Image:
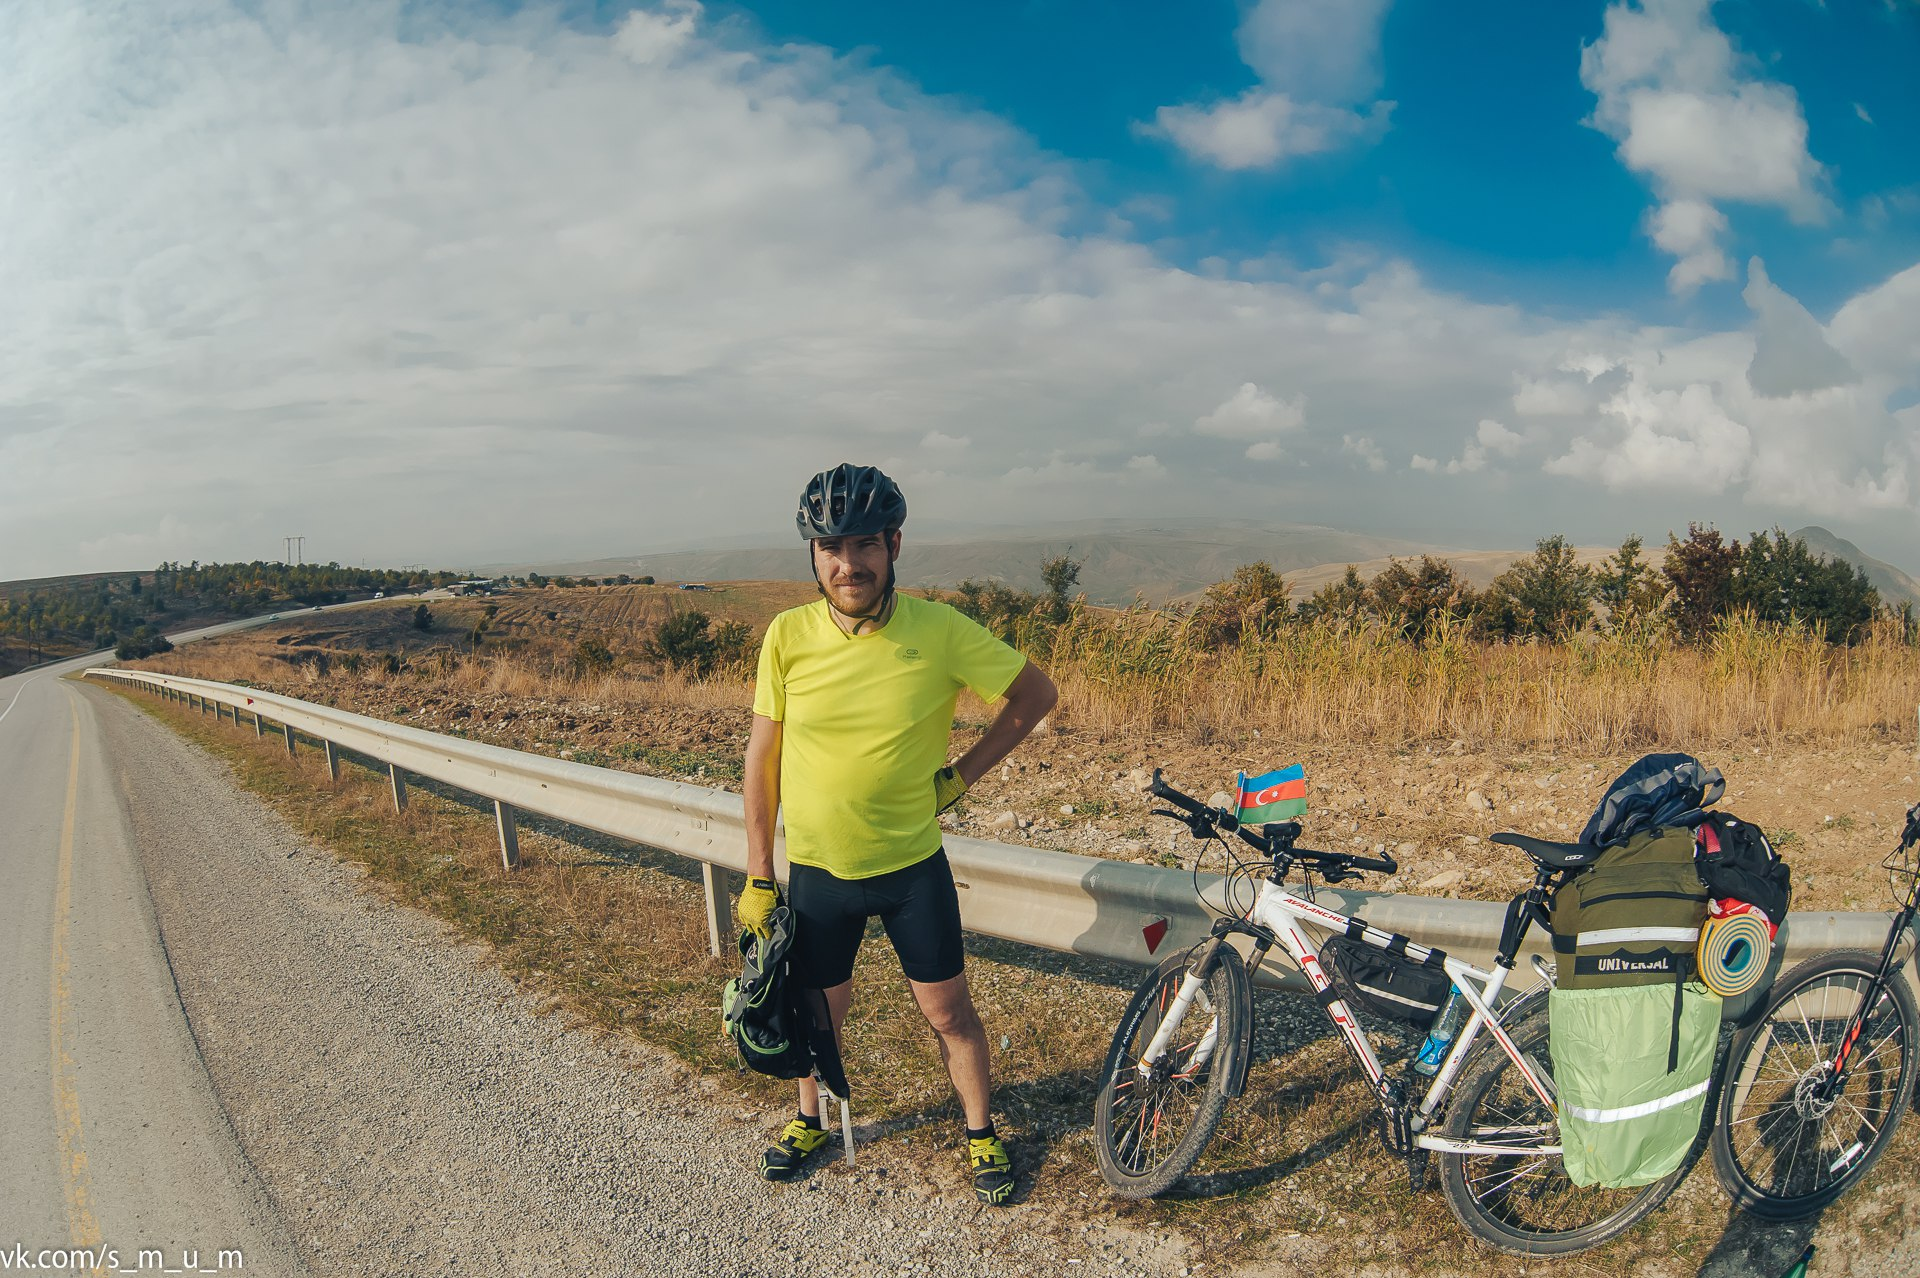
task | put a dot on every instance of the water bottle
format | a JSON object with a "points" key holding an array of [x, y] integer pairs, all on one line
{"points": [[1453, 1013]]}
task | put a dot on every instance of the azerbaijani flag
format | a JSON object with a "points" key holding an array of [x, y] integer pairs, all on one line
{"points": [[1273, 797]]}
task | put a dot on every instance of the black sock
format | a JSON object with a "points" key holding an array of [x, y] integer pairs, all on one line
{"points": [[980, 1133], [811, 1120]]}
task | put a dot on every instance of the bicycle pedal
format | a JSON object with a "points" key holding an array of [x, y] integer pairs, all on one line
{"points": [[1417, 1160]]}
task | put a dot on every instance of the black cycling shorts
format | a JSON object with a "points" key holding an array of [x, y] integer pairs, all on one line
{"points": [[918, 906]]}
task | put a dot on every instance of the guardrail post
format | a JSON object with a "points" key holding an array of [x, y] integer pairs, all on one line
{"points": [[333, 760], [287, 728], [509, 834], [399, 780], [259, 729], [721, 888]]}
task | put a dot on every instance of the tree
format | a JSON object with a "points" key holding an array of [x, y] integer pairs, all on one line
{"points": [[1784, 582], [422, 617], [1252, 602], [682, 642], [1627, 585], [1700, 571], [1547, 594], [994, 604], [1416, 599], [591, 656], [144, 642], [1060, 575], [1343, 600]]}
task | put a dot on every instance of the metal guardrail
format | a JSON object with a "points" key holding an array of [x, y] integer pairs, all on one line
{"points": [[1054, 900]]}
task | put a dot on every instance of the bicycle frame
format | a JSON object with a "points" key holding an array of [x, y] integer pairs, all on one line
{"points": [[1275, 917]]}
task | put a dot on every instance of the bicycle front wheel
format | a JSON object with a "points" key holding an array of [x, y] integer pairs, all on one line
{"points": [[1790, 1139], [1522, 1201], [1151, 1124]]}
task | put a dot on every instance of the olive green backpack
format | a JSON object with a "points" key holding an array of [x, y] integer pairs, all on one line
{"points": [[1633, 1035]]}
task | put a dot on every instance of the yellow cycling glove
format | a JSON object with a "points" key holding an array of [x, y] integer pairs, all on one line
{"points": [[757, 901], [947, 789]]}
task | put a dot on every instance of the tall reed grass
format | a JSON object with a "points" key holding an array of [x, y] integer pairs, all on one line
{"points": [[1340, 680], [1142, 670]]}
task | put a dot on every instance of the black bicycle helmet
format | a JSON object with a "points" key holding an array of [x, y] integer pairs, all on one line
{"points": [[850, 501]]}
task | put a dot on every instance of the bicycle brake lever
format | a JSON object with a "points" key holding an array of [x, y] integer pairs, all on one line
{"points": [[1199, 827]]}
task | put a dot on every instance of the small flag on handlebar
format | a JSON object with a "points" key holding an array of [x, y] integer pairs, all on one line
{"points": [[1276, 796]]}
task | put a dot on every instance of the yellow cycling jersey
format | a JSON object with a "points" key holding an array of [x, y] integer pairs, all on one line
{"points": [[865, 724]]}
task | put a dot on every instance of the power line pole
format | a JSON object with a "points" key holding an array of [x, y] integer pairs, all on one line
{"points": [[295, 547]]}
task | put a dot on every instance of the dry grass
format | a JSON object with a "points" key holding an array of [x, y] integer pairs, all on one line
{"points": [[1126, 673], [1143, 671]]}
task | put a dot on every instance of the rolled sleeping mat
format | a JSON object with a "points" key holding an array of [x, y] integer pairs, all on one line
{"points": [[1735, 943]]}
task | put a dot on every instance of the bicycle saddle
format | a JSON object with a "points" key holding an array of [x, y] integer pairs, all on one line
{"points": [[1561, 856]]}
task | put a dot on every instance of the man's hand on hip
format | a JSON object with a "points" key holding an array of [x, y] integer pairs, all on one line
{"points": [[756, 905], [948, 787]]}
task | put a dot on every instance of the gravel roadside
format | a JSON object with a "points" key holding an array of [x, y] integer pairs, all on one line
{"points": [[410, 1111]]}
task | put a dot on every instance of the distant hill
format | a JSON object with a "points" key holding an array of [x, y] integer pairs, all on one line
{"points": [[1895, 586], [1161, 562], [1169, 560]]}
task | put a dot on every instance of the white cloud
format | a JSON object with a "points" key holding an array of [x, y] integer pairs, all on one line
{"points": [[1496, 438], [1862, 113], [1879, 331], [1791, 354], [1675, 439], [305, 270], [1251, 412], [652, 36], [1260, 128], [1365, 449], [1561, 393], [1318, 63], [1489, 438], [1692, 117], [1690, 230]]}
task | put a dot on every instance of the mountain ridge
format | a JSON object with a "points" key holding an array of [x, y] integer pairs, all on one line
{"points": [[1159, 561]]}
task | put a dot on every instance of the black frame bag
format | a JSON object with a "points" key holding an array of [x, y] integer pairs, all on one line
{"points": [[1385, 983]]}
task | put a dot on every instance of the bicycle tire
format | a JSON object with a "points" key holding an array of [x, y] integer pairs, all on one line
{"points": [[1524, 1203], [1779, 1150], [1149, 1133]]}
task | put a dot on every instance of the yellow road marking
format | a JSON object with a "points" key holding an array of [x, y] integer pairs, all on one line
{"points": [[75, 1181]]}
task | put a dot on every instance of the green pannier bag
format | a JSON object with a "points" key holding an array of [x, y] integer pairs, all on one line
{"points": [[1633, 1039]]}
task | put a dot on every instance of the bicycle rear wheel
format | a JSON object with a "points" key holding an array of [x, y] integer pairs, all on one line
{"points": [[1786, 1143], [1150, 1126], [1523, 1202]]}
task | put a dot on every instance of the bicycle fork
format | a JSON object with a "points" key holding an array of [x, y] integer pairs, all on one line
{"points": [[1190, 987]]}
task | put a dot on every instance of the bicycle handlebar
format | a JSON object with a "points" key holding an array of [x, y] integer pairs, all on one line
{"points": [[1275, 839]]}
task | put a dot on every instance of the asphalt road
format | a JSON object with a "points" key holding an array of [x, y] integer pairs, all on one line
{"points": [[111, 1137]]}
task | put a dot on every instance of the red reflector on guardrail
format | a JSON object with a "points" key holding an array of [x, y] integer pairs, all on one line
{"points": [[1155, 932]]}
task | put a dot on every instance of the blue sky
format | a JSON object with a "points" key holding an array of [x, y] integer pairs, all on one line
{"points": [[463, 281], [1489, 175]]}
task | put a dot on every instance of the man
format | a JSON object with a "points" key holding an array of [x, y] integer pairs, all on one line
{"points": [[851, 714]]}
